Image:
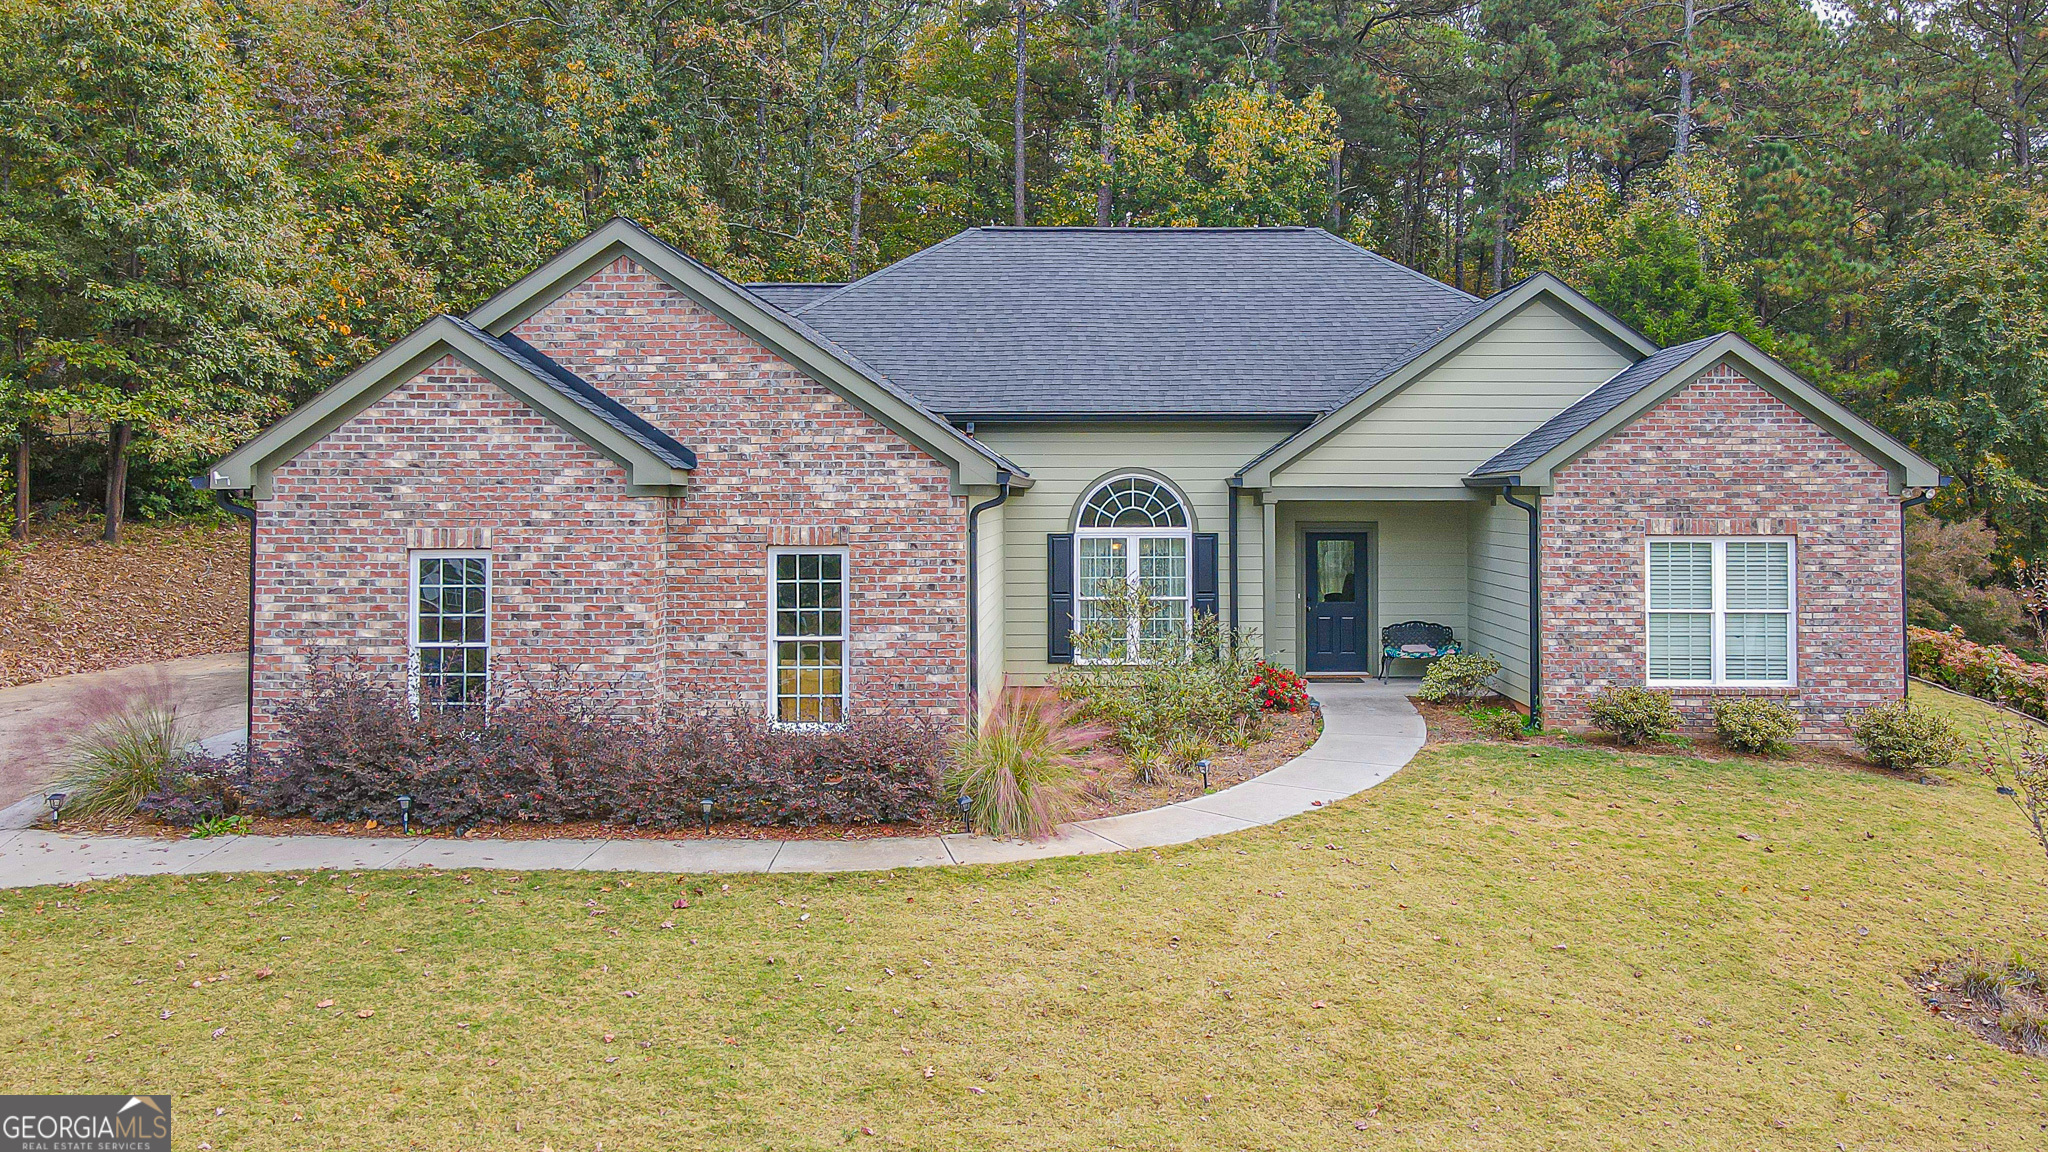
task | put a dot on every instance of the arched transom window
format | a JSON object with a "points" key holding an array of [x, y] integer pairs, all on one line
{"points": [[1131, 549]]}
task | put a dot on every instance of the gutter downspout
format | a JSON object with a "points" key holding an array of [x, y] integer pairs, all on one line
{"points": [[973, 588], [1236, 487], [245, 512], [1905, 626], [1507, 492]]}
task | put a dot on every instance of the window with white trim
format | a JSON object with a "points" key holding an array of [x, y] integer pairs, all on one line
{"points": [[450, 628], [1133, 533], [1722, 611], [809, 637]]}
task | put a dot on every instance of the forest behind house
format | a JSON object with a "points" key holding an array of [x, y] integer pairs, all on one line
{"points": [[211, 210]]}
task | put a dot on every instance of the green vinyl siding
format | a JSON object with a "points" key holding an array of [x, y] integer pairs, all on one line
{"points": [[1417, 557], [1489, 394], [988, 609], [1065, 460], [1498, 581]]}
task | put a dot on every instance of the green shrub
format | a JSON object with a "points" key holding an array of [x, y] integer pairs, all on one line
{"points": [[1017, 771], [1499, 723], [213, 826], [1634, 715], [1755, 725], [1199, 685], [1460, 676], [1896, 734], [121, 758]]}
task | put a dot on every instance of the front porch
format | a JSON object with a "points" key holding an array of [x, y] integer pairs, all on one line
{"points": [[1342, 568]]}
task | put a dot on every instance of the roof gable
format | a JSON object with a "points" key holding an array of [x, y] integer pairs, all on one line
{"points": [[782, 332], [651, 458], [1534, 459], [1454, 335], [1206, 323]]}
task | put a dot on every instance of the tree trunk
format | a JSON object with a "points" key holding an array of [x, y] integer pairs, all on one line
{"points": [[1272, 32], [1017, 118], [21, 498], [1106, 191], [1683, 143], [1506, 224], [118, 435], [860, 111]]}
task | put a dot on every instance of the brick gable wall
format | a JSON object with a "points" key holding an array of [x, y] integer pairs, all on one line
{"points": [[1723, 457], [665, 596], [449, 460], [783, 461]]}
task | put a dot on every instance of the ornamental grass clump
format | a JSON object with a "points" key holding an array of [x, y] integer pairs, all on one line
{"points": [[1634, 715], [1017, 771], [1762, 726], [1897, 734], [1459, 676], [123, 756]]}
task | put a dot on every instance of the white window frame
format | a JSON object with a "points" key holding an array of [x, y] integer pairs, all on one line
{"points": [[845, 640], [1133, 563], [413, 560], [1720, 612]]}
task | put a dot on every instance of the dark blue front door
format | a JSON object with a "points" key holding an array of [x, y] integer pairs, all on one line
{"points": [[1336, 584]]}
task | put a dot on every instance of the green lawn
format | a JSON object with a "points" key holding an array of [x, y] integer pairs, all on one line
{"points": [[1382, 974]]}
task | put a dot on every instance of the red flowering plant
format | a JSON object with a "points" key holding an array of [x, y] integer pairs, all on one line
{"points": [[1278, 689]]}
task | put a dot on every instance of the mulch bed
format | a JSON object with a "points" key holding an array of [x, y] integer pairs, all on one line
{"points": [[72, 603], [1448, 724], [1108, 788]]}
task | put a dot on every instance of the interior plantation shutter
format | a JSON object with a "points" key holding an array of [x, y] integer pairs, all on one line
{"points": [[1758, 630], [1059, 598], [1681, 591], [1207, 597]]}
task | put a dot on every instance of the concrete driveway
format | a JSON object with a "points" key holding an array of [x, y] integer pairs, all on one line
{"points": [[38, 720]]}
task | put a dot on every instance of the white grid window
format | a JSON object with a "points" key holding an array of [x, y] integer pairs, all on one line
{"points": [[1721, 612], [809, 636], [451, 628], [1132, 533]]}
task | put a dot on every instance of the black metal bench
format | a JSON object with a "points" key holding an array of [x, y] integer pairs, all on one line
{"points": [[1415, 640]]}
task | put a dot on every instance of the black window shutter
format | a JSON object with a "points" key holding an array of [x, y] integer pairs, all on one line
{"points": [[1059, 598], [1206, 598]]}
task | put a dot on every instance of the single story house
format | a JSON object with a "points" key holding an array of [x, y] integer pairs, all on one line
{"points": [[907, 490]]}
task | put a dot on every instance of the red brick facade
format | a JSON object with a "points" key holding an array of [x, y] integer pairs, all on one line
{"points": [[1724, 457], [667, 595]]}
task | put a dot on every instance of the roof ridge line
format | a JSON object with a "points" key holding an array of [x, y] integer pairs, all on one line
{"points": [[883, 270], [1393, 263]]}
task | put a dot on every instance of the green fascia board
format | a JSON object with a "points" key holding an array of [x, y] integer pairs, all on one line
{"points": [[1259, 472], [251, 466], [1908, 469], [800, 345]]}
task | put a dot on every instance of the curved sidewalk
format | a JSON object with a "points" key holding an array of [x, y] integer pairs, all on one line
{"points": [[1369, 732]]}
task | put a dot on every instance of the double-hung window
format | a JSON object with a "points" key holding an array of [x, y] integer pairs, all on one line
{"points": [[808, 624], [1722, 612], [450, 628]]}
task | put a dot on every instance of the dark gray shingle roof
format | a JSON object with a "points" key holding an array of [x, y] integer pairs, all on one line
{"points": [[1136, 321], [1589, 408], [586, 396], [790, 297]]}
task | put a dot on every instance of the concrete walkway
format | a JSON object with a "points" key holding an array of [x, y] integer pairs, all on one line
{"points": [[37, 721], [1369, 732]]}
